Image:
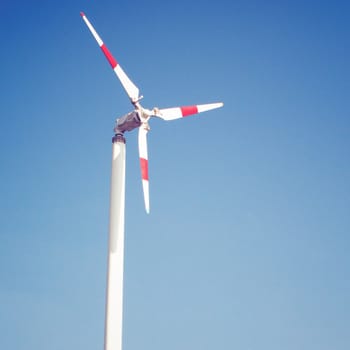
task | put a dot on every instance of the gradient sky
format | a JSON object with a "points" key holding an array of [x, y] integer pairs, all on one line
{"points": [[246, 246]]}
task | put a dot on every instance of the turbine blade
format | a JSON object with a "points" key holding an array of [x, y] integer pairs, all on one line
{"points": [[144, 164], [180, 112], [130, 88]]}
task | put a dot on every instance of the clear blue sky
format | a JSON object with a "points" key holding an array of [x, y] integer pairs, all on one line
{"points": [[246, 246]]}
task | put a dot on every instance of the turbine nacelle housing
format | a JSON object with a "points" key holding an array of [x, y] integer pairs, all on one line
{"points": [[128, 122]]}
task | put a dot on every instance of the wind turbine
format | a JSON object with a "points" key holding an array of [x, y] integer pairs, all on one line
{"points": [[138, 118]]}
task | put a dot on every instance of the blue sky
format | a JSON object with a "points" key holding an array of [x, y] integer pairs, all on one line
{"points": [[246, 246]]}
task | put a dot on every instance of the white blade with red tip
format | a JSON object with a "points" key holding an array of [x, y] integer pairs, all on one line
{"points": [[144, 164], [180, 112], [130, 88]]}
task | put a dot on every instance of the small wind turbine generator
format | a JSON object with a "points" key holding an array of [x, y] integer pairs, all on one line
{"points": [[138, 118]]}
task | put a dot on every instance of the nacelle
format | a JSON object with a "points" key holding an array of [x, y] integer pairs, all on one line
{"points": [[128, 122]]}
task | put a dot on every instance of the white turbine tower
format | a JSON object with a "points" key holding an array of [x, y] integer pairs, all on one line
{"points": [[138, 118]]}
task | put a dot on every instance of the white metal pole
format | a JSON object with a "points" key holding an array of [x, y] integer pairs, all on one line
{"points": [[114, 297]]}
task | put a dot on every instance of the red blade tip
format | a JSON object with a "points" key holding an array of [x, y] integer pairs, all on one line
{"points": [[82, 14]]}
